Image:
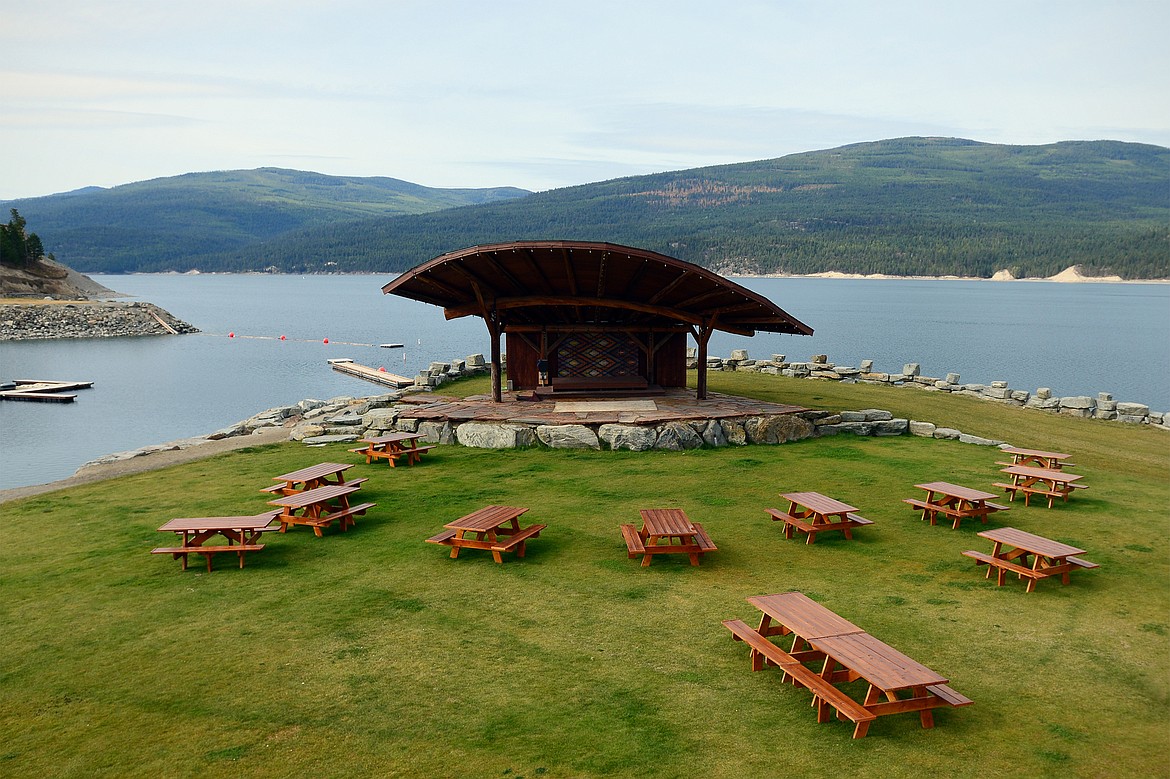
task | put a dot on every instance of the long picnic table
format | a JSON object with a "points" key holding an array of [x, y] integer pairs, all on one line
{"points": [[494, 528], [319, 507], [897, 683], [1036, 458], [812, 513], [1039, 481], [392, 446], [320, 475], [667, 531], [954, 502], [1013, 548], [242, 534]]}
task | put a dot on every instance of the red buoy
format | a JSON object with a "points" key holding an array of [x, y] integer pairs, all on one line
{"points": [[382, 368], [282, 338], [231, 335], [325, 341]]}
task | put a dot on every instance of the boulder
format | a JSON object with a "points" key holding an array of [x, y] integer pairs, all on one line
{"points": [[777, 429], [436, 432], [1133, 410], [482, 435], [891, 427], [974, 439], [712, 433], [330, 439], [567, 437], [911, 369], [1079, 402], [734, 432], [923, 429], [876, 414], [677, 436], [947, 433], [633, 437], [739, 355]]}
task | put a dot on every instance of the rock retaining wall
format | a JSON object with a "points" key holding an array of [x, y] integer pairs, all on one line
{"points": [[34, 321], [1103, 406]]}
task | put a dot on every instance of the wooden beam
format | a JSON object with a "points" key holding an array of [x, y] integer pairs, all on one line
{"points": [[666, 290], [504, 304], [570, 275]]}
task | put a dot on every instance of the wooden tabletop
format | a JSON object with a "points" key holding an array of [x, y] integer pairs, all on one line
{"points": [[486, 518], [1035, 453], [315, 495], [1045, 547], [201, 524], [391, 438], [803, 615], [877, 662], [313, 472], [1041, 473], [818, 503], [666, 522], [956, 491]]}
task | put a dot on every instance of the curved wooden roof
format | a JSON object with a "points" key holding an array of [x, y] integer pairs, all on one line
{"points": [[584, 283]]}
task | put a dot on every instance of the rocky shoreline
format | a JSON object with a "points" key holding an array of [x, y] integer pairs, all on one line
{"points": [[39, 320]]}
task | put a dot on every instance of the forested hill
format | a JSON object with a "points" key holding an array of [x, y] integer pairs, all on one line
{"points": [[175, 222], [910, 206]]}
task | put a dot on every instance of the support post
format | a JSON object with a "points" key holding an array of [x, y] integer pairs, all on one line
{"points": [[704, 335], [494, 332]]}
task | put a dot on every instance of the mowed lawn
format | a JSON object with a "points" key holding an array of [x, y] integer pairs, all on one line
{"points": [[372, 653]]}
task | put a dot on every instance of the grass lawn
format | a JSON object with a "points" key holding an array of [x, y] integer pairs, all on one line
{"points": [[372, 653]]}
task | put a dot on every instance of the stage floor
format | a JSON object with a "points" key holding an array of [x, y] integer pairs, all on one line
{"points": [[525, 408]]}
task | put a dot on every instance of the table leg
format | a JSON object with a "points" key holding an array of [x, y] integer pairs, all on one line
{"points": [[926, 716]]}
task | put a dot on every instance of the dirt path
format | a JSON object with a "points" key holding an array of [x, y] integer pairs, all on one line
{"points": [[149, 462]]}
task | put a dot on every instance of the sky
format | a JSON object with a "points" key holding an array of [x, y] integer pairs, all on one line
{"points": [[544, 94]]}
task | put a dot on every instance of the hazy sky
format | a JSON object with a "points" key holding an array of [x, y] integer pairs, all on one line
{"points": [[546, 94]]}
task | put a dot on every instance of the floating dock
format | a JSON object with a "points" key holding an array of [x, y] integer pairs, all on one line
{"points": [[44, 391], [351, 368]]}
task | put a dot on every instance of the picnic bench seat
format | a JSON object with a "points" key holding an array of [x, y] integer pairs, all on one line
{"points": [[1081, 563], [180, 552], [392, 456], [857, 519], [634, 542], [958, 515], [825, 695], [1035, 490], [703, 540], [442, 538], [949, 695], [510, 542], [326, 520], [1003, 565], [803, 525]]}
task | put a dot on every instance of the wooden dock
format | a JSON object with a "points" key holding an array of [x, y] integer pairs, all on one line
{"points": [[44, 391], [351, 368]]}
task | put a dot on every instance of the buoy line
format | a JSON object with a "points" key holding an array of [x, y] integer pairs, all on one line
{"points": [[286, 338]]}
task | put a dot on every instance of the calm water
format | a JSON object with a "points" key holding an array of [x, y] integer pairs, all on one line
{"points": [[1075, 338]]}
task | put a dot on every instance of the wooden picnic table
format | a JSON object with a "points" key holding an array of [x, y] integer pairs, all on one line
{"points": [[320, 475], [1013, 548], [1039, 481], [812, 513], [667, 531], [1036, 458], [242, 534], [391, 446], [494, 528], [320, 507], [954, 502], [846, 653]]}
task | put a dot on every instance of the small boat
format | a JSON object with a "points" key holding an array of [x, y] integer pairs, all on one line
{"points": [[390, 346]]}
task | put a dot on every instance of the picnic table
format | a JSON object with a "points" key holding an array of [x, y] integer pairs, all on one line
{"points": [[242, 534], [1039, 481], [314, 476], [320, 507], [1036, 458], [1013, 548], [812, 513], [392, 446], [897, 683], [667, 531], [954, 502], [494, 528]]}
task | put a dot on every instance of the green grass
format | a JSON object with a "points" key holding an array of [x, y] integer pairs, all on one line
{"points": [[372, 653]]}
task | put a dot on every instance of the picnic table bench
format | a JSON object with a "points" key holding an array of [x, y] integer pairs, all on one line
{"points": [[954, 502], [1040, 481], [812, 513], [897, 683], [392, 446], [667, 531], [494, 528], [320, 507], [242, 534], [1013, 548], [319, 475]]}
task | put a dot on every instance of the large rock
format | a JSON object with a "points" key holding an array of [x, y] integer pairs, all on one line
{"points": [[482, 435], [712, 433], [891, 427], [1132, 409], [733, 431], [434, 432], [777, 429], [567, 437], [1079, 402], [632, 437], [677, 436], [923, 429]]}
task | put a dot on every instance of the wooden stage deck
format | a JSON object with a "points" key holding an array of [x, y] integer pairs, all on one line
{"points": [[526, 408]]}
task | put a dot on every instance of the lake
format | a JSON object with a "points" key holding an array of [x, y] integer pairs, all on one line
{"points": [[1078, 339]]}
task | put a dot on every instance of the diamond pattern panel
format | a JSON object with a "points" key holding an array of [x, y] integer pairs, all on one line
{"points": [[597, 354]]}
